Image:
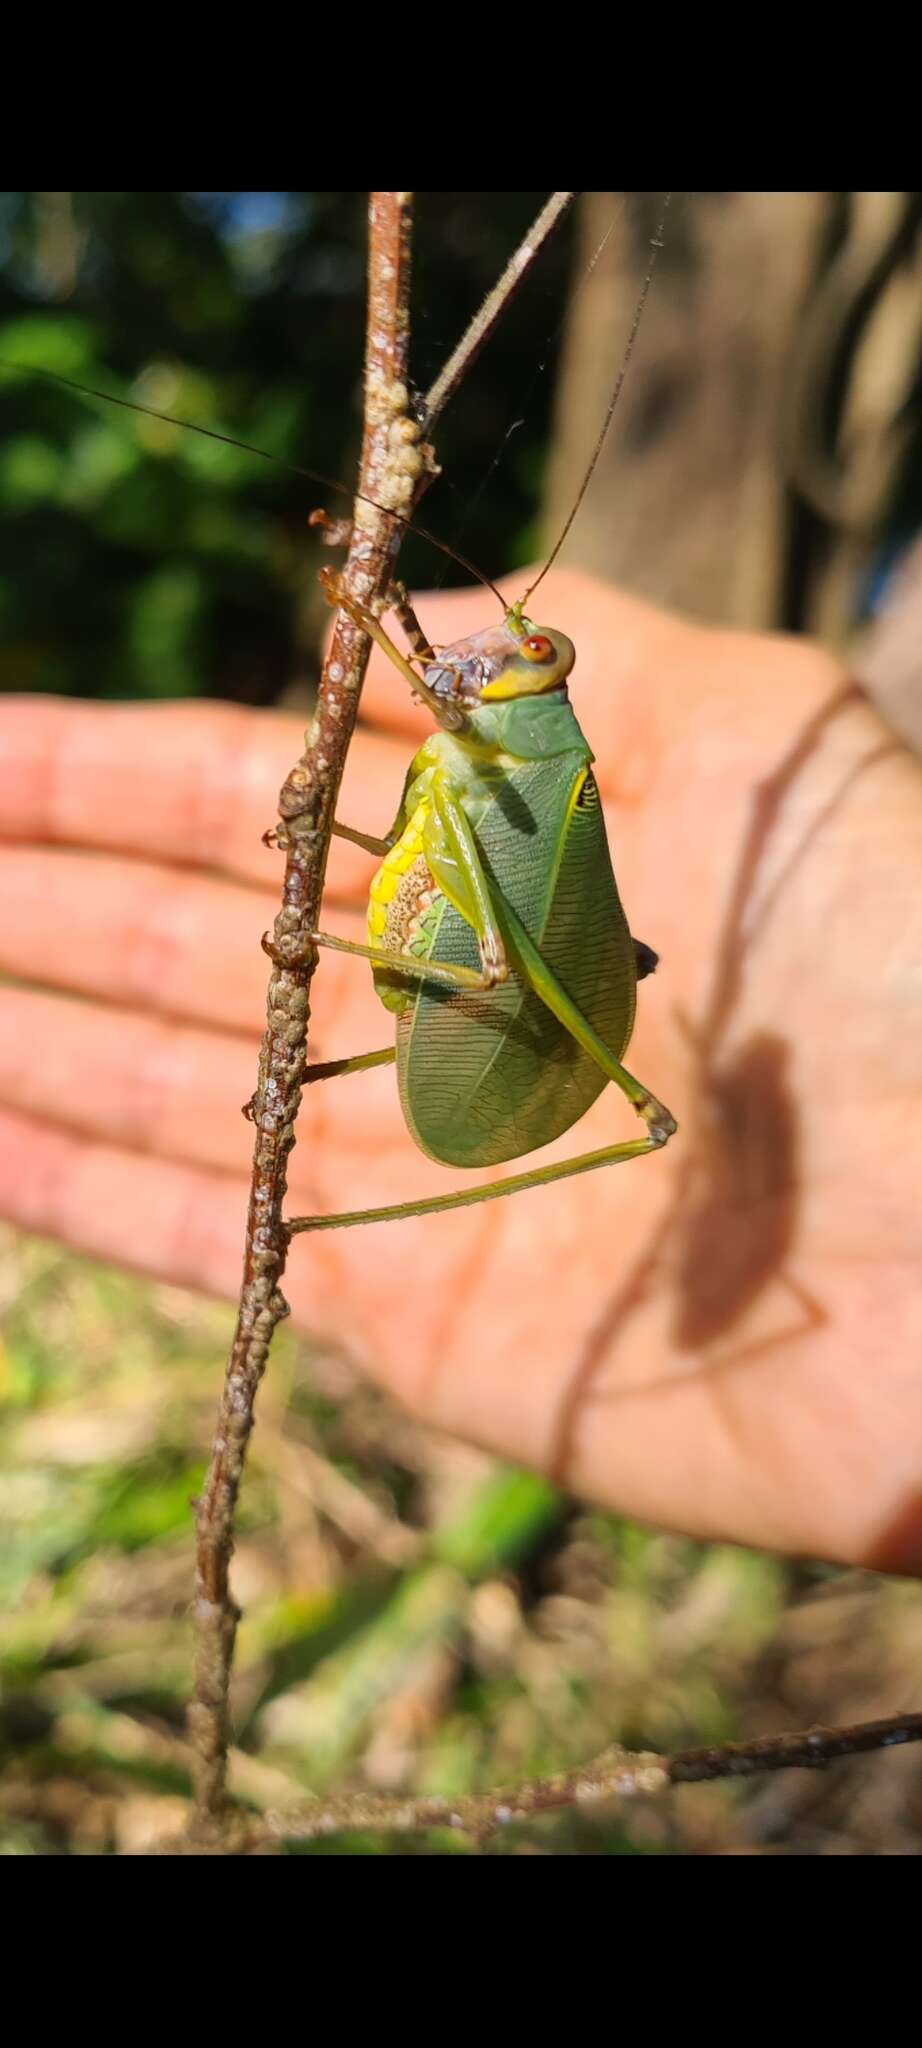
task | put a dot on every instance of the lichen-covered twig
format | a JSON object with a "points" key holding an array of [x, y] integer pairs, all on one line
{"points": [[615, 1775], [392, 463], [395, 466], [811, 1749]]}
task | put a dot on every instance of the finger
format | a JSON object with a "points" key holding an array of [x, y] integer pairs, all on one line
{"points": [[174, 1222], [194, 784], [182, 1223], [139, 1083], [184, 782], [156, 938]]}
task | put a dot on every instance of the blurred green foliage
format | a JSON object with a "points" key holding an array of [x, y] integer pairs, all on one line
{"points": [[142, 560]]}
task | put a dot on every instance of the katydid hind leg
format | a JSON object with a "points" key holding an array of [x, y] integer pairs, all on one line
{"points": [[528, 962], [491, 1191]]}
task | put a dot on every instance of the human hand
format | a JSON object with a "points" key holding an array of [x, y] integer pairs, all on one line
{"points": [[723, 1338]]}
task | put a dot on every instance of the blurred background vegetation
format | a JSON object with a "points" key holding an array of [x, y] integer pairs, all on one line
{"points": [[765, 465], [140, 560], [415, 1616]]}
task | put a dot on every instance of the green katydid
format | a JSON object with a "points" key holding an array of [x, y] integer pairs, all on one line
{"points": [[496, 932]]}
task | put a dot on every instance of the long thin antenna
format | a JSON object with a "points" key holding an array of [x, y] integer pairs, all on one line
{"points": [[313, 476], [655, 246]]}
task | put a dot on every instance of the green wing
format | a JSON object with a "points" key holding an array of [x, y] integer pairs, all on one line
{"points": [[490, 1077]]}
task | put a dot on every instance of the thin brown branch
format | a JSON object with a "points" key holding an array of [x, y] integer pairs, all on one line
{"points": [[495, 304], [391, 466], [616, 1774], [810, 1750], [394, 471]]}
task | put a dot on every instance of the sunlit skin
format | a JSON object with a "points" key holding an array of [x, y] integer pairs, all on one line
{"points": [[724, 1338]]}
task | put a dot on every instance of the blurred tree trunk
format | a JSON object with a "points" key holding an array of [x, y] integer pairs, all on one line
{"points": [[687, 504], [754, 455]]}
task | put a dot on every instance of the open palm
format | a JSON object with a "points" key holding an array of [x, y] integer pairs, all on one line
{"points": [[723, 1338]]}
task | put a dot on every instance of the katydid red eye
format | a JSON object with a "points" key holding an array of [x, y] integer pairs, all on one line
{"points": [[538, 647]]}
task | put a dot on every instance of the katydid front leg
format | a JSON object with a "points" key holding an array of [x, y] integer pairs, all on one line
{"points": [[398, 601], [337, 533], [449, 716]]}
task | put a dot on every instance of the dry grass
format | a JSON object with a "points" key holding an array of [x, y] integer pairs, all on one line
{"points": [[417, 1617]]}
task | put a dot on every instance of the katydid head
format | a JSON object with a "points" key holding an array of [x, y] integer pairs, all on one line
{"points": [[514, 659]]}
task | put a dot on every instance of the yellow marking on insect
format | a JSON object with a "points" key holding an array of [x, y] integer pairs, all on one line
{"points": [[384, 886], [584, 788], [389, 876], [377, 922]]}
